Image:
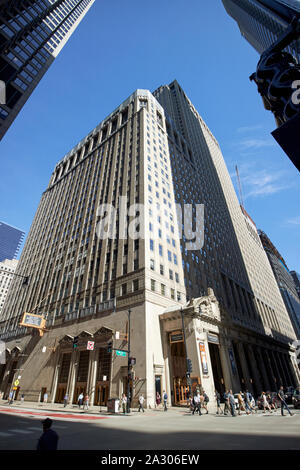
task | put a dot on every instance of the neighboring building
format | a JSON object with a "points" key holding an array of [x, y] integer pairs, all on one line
{"points": [[31, 36], [262, 22], [296, 277], [284, 280], [7, 269], [154, 150], [11, 239]]}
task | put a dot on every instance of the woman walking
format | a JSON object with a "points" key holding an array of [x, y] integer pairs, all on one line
{"points": [[265, 402]]}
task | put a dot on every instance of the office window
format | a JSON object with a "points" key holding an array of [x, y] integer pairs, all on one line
{"points": [[152, 284]]}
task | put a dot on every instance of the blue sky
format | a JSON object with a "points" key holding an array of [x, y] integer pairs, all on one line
{"points": [[121, 46]]}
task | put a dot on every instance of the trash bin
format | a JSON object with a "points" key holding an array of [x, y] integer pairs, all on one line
{"points": [[113, 405]]}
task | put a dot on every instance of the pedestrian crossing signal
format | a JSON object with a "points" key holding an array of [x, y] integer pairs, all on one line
{"points": [[189, 366]]}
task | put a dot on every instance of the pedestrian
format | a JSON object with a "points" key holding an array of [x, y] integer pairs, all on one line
{"points": [[281, 397], [80, 400], [22, 398], [141, 403], [218, 399], [197, 404], [11, 397], [248, 402], [226, 402], [66, 399], [124, 402], [49, 438], [265, 402], [158, 399], [205, 401], [165, 398], [241, 403], [86, 402], [45, 397], [231, 401]]}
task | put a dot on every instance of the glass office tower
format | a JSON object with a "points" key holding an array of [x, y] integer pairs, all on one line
{"points": [[32, 33]]}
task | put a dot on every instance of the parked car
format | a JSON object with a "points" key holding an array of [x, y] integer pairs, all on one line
{"points": [[289, 393], [296, 398]]}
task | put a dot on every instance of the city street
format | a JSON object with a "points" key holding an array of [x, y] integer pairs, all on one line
{"points": [[176, 429]]}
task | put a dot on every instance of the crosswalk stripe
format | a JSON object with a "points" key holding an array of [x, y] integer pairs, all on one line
{"points": [[5, 434]]}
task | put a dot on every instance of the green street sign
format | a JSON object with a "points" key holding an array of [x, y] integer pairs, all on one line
{"points": [[121, 353]]}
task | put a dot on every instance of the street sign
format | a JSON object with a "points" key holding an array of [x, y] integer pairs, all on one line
{"points": [[16, 383], [121, 353], [90, 345]]}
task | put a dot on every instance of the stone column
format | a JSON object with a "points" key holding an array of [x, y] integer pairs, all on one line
{"points": [[246, 372], [269, 365], [55, 377], [277, 371], [282, 369], [231, 380], [261, 366], [255, 369], [72, 375], [91, 385]]}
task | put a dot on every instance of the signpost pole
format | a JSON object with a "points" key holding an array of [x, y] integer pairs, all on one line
{"points": [[129, 366]]}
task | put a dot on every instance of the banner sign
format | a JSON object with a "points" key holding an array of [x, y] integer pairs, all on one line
{"points": [[203, 358]]}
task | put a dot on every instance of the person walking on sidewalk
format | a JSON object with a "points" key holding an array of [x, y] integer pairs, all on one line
{"points": [[218, 398], [247, 401], [205, 401], [165, 398], [124, 403], [22, 398], [231, 403], [45, 397], [241, 403], [281, 397], [197, 404], [157, 400], [226, 402], [80, 400], [141, 403], [66, 399], [49, 438], [86, 402], [265, 402], [11, 397]]}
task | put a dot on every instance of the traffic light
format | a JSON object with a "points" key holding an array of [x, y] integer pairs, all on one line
{"points": [[189, 366], [75, 342], [109, 347]]}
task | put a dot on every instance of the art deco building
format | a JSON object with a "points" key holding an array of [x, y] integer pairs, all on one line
{"points": [[296, 277], [11, 239], [89, 264], [262, 22], [32, 33]]}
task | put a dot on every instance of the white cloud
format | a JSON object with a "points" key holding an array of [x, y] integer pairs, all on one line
{"points": [[250, 144], [294, 220], [249, 128]]}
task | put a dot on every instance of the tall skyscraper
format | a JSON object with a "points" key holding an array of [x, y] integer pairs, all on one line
{"points": [[109, 243], [261, 22], [284, 280], [296, 277], [7, 269], [32, 33], [11, 239]]}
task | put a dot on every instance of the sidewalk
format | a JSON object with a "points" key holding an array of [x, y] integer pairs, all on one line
{"points": [[74, 409]]}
